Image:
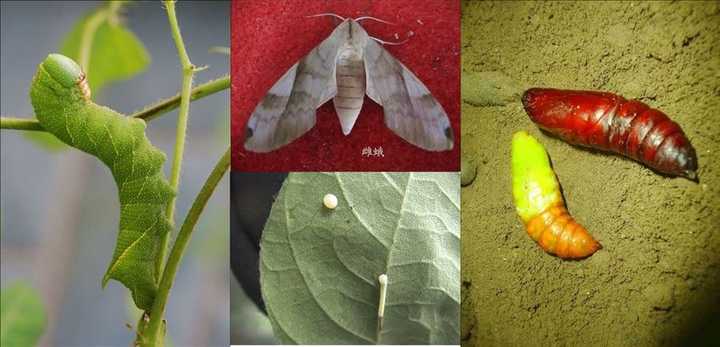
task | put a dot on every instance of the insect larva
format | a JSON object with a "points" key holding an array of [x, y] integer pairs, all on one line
{"points": [[611, 123], [61, 99], [540, 204]]}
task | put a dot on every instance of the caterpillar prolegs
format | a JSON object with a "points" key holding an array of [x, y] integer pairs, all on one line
{"points": [[540, 204], [61, 99]]}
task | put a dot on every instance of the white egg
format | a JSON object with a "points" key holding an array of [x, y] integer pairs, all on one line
{"points": [[330, 201]]}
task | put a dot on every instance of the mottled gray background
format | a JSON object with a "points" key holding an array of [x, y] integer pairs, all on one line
{"points": [[59, 211]]}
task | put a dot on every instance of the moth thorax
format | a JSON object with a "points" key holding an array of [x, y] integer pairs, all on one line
{"points": [[84, 87], [350, 78]]}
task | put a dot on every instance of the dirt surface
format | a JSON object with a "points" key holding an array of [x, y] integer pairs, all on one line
{"points": [[656, 281]]}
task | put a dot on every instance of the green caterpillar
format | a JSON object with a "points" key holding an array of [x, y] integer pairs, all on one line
{"points": [[61, 99]]}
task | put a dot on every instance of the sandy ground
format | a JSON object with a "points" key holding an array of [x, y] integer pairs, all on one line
{"points": [[657, 279]]}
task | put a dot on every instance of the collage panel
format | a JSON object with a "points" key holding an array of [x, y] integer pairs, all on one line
{"points": [[590, 171], [346, 258], [301, 72], [573, 144], [90, 105]]}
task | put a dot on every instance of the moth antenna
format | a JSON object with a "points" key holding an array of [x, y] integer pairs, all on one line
{"points": [[326, 15], [373, 18], [382, 42]]}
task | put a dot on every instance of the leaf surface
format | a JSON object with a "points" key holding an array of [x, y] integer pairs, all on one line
{"points": [[319, 267], [116, 54]]}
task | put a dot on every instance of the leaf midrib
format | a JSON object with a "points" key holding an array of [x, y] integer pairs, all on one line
{"points": [[302, 275], [390, 247]]}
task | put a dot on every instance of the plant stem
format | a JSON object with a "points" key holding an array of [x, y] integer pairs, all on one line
{"points": [[188, 69], [20, 124], [156, 317], [148, 113], [171, 103]]}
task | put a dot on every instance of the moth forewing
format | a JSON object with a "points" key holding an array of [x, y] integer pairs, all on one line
{"points": [[410, 109], [288, 109]]}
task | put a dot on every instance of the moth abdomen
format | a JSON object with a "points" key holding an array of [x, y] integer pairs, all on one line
{"points": [[351, 86]]}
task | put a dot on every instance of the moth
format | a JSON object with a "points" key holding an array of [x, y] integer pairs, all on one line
{"points": [[60, 96], [345, 67]]}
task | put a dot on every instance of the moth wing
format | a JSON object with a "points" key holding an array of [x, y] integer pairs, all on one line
{"points": [[410, 110], [288, 109]]}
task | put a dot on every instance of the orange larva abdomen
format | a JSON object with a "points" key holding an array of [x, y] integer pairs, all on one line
{"points": [[558, 233]]}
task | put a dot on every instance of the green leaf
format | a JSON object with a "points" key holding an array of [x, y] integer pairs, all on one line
{"points": [[116, 53], [22, 317], [64, 109], [319, 267]]}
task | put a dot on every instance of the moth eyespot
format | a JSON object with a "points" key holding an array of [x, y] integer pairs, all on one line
{"points": [[84, 87], [449, 133], [330, 201]]}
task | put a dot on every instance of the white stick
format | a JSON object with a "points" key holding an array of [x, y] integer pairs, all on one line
{"points": [[383, 279]]}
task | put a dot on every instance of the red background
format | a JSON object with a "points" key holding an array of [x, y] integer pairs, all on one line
{"points": [[268, 37]]}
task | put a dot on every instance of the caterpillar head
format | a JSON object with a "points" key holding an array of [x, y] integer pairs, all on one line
{"points": [[66, 72]]}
